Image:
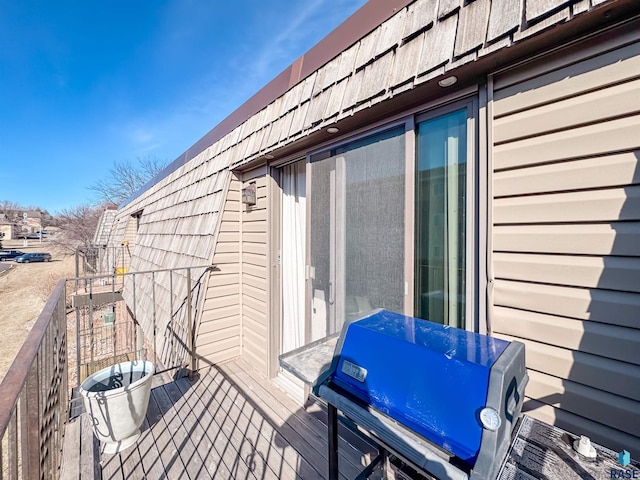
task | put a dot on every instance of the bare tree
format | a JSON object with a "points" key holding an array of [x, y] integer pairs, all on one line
{"points": [[77, 226], [14, 210], [126, 178], [9, 206]]}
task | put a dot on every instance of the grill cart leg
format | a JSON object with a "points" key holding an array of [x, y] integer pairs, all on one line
{"points": [[379, 460], [333, 441]]}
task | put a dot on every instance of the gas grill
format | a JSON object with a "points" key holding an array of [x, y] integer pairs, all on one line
{"points": [[443, 400]]}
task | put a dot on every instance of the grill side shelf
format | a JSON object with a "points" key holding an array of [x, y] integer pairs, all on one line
{"points": [[311, 363]]}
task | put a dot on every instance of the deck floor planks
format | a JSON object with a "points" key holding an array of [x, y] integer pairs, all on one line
{"points": [[254, 448], [278, 445], [182, 442], [307, 441], [315, 432], [150, 456], [199, 435], [69, 470], [270, 445], [315, 415], [132, 463], [229, 424], [111, 468], [302, 441], [89, 450], [199, 424], [247, 439], [174, 467], [227, 455], [354, 443], [187, 443]]}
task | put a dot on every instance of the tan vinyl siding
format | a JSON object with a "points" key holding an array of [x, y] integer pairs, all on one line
{"points": [[218, 338], [566, 237], [254, 273]]}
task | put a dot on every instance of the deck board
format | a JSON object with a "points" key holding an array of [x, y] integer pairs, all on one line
{"points": [[173, 465], [221, 428], [88, 449], [182, 442], [220, 460], [310, 441], [71, 442], [313, 419], [150, 455], [270, 443], [230, 423], [132, 464]]}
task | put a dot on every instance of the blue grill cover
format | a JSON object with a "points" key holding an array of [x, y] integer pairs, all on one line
{"points": [[431, 378]]}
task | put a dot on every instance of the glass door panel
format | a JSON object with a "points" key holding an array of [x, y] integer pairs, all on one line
{"points": [[357, 230], [440, 251]]}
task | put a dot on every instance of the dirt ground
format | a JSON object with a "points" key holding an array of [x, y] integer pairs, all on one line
{"points": [[24, 289]]}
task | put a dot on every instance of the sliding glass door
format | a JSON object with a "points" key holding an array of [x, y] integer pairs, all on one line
{"points": [[441, 219], [357, 230], [373, 244]]}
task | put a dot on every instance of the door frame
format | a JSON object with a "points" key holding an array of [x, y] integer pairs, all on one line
{"points": [[473, 205], [275, 267], [474, 98]]}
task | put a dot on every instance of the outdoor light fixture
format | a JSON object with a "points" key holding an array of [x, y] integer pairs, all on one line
{"points": [[447, 82], [333, 130], [249, 194], [268, 156]]}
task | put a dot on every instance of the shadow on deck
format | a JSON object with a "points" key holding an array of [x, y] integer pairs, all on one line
{"points": [[228, 424]]}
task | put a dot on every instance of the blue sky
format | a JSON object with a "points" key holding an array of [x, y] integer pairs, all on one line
{"points": [[84, 84]]}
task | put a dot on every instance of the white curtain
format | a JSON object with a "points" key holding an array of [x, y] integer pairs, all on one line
{"points": [[292, 255]]}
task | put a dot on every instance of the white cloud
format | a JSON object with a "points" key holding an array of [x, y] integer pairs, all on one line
{"points": [[231, 81], [140, 136]]}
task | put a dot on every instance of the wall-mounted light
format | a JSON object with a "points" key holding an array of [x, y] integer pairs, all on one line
{"points": [[333, 130], [449, 81], [268, 156], [249, 194]]}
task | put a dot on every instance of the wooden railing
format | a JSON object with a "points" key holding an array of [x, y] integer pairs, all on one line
{"points": [[34, 398]]}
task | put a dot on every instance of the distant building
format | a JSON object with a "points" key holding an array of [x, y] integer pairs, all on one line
{"points": [[6, 230]]}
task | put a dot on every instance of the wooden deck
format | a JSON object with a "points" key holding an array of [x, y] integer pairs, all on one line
{"points": [[229, 424]]}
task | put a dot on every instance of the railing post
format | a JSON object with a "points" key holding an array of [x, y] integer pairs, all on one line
{"points": [[91, 332], [31, 425], [190, 332], [153, 297], [139, 334], [62, 369], [78, 346], [13, 443], [172, 326]]}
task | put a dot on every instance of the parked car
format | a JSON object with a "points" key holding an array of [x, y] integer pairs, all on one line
{"points": [[34, 257], [9, 254]]}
